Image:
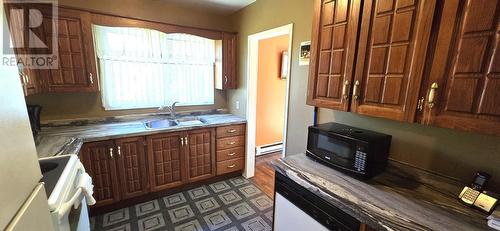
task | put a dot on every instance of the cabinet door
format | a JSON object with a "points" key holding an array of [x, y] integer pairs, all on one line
{"points": [[335, 32], [200, 157], [98, 158], [166, 164], [391, 55], [76, 70], [466, 68], [18, 13], [132, 166], [229, 60]]}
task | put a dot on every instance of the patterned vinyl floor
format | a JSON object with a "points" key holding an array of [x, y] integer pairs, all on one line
{"points": [[234, 204]]}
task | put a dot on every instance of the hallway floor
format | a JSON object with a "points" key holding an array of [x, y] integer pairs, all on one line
{"points": [[264, 173]]}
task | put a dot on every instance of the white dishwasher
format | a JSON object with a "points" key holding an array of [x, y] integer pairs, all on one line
{"points": [[298, 209]]}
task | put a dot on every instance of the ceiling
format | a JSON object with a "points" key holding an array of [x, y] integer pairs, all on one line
{"points": [[222, 7]]}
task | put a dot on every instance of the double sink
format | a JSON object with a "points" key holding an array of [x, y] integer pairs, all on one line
{"points": [[167, 123]]}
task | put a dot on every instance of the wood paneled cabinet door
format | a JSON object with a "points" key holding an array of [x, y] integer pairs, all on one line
{"points": [[76, 62], [335, 32], [229, 60], [131, 162], [200, 156], [18, 14], [99, 162], [166, 166], [393, 42], [463, 89]]}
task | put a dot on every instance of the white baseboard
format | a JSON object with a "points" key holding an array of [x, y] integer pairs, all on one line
{"points": [[265, 149]]}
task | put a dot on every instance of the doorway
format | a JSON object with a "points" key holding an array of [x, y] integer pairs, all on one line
{"points": [[271, 94], [259, 98]]}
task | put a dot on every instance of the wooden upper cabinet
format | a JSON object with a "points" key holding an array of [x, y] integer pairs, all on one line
{"points": [[229, 57], [335, 32], [466, 68], [77, 71], [200, 154], [99, 163], [131, 161], [166, 167], [391, 56]]}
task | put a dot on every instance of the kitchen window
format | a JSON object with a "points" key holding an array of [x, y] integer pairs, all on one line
{"points": [[144, 68]]}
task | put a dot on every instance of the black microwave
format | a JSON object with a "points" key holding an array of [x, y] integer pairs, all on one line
{"points": [[358, 152]]}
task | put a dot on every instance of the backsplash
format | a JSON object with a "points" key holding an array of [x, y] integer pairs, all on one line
{"points": [[70, 106], [447, 152]]}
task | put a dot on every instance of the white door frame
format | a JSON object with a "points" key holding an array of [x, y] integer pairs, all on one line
{"points": [[252, 75]]}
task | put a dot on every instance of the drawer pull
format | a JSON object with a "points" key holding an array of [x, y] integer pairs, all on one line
{"points": [[231, 166], [231, 154], [231, 131], [231, 143]]}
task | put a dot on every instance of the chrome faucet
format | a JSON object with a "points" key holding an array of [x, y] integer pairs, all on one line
{"points": [[171, 109]]}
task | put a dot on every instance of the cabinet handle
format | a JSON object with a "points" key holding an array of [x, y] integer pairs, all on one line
{"points": [[111, 153], [231, 143], [225, 76], [119, 151], [231, 131], [231, 166], [420, 105], [231, 154], [344, 90], [355, 90], [186, 140], [91, 79], [432, 95], [182, 141]]}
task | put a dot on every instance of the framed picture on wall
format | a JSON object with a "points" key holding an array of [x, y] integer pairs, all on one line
{"points": [[305, 53], [284, 65]]}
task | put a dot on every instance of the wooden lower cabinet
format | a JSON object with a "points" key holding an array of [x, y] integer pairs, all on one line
{"points": [[200, 157], [101, 166], [131, 162], [165, 152], [230, 146], [135, 166]]}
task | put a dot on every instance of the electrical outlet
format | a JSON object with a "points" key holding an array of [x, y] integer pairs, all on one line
{"points": [[237, 105]]}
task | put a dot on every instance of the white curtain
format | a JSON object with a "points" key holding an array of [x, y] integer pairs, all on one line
{"points": [[143, 68]]}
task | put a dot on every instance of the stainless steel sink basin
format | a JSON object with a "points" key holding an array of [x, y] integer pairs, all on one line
{"points": [[182, 121], [159, 124], [190, 120]]}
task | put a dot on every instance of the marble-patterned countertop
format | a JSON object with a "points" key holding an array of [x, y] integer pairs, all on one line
{"points": [[402, 198], [68, 138]]}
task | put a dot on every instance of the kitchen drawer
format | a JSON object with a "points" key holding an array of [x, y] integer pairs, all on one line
{"points": [[230, 142], [229, 154], [227, 131], [230, 166]]}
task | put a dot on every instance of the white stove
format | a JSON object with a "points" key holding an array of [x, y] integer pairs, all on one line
{"points": [[67, 201]]}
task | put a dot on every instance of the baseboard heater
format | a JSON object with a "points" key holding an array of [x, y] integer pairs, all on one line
{"points": [[270, 148]]}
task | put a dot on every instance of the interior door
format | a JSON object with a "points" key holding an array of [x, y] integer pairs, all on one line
{"points": [[99, 161], [76, 70], [201, 154], [334, 39], [132, 166], [392, 48], [165, 158], [466, 68]]}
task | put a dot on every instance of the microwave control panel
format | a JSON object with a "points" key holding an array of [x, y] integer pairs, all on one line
{"points": [[360, 161]]}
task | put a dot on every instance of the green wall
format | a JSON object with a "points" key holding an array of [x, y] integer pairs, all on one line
{"points": [[261, 16], [452, 153], [88, 105]]}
